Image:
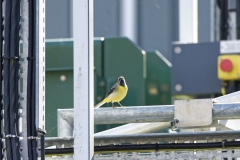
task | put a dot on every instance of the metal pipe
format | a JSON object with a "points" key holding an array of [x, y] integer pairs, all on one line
{"points": [[135, 128], [165, 137], [165, 147], [143, 114], [23, 75], [128, 19], [145, 138], [65, 122], [157, 114], [134, 114]]}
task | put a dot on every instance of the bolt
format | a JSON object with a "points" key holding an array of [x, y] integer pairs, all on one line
{"points": [[177, 50], [178, 87]]}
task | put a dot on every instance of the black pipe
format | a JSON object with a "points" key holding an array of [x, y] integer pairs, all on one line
{"points": [[6, 76], [1, 80], [14, 79], [156, 147], [142, 147], [29, 82], [31, 131], [29, 85], [223, 5], [59, 151], [42, 147], [238, 18]]}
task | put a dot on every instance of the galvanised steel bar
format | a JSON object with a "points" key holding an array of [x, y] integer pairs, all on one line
{"points": [[23, 76], [146, 138], [166, 137], [133, 114], [157, 114]]}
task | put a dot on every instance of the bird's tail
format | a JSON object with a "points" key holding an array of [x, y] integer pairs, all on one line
{"points": [[99, 104]]}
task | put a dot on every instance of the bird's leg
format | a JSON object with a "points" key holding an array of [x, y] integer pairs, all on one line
{"points": [[120, 104], [113, 105]]}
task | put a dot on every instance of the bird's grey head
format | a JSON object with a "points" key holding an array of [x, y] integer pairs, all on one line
{"points": [[121, 81]]}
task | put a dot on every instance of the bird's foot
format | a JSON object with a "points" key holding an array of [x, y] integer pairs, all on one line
{"points": [[114, 106]]}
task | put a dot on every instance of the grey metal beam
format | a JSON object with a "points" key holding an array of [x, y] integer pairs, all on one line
{"points": [[83, 78], [40, 65]]}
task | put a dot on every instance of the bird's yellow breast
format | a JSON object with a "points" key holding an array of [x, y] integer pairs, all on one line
{"points": [[118, 94]]}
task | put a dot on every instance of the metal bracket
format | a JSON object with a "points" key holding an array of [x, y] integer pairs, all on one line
{"points": [[191, 113], [32, 138], [173, 124]]}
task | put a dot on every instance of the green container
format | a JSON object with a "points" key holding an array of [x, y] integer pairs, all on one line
{"points": [[158, 82]]}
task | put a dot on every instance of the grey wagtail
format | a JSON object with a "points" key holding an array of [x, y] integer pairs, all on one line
{"points": [[116, 93]]}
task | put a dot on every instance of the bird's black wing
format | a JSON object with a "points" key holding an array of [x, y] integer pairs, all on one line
{"points": [[112, 89]]}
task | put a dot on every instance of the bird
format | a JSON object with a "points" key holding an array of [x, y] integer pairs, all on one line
{"points": [[116, 93]]}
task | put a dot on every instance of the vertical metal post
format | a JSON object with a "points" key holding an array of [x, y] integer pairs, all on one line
{"points": [[83, 78], [128, 19], [40, 65], [23, 77], [40, 72], [188, 20]]}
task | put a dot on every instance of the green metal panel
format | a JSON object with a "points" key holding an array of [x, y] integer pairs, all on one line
{"points": [[59, 81], [123, 58], [59, 95], [59, 55], [98, 58], [158, 87]]}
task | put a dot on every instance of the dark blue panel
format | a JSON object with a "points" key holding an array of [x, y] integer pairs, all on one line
{"points": [[195, 68]]}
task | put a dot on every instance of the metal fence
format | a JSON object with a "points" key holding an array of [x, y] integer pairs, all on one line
{"points": [[215, 141]]}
